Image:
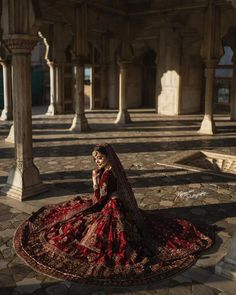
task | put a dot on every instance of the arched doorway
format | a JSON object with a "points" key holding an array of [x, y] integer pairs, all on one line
{"points": [[148, 78], [223, 81], [40, 76]]}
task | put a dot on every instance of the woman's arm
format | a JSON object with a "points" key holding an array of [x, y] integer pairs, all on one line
{"points": [[95, 178], [101, 186]]}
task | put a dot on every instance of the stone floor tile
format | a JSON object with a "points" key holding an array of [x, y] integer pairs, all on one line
{"points": [[181, 279], [123, 291], [8, 291], [6, 279], [5, 224], [7, 252], [203, 290], [49, 281], [3, 263], [197, 274], [7, 233], [82, 289], [57, 289], [101, 292], [141, 145], [40, 291], [27, 285], [183, 289], [222, 284], [19, 270]]}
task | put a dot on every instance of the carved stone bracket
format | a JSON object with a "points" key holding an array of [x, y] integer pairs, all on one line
{"points": [[20, 43]]}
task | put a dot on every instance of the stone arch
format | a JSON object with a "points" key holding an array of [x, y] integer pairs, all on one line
{"points": [[149, 68], [229, 39]]}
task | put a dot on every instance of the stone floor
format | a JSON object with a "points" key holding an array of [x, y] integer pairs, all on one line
{"points": [[147, 148]]}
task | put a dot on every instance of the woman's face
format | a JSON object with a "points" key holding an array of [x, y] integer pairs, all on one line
{"points": [[100, 159]]}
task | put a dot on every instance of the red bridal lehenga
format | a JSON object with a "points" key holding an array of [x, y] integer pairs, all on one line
{"points": [[105, 239]]}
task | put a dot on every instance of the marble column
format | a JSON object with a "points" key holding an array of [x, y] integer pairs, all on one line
{"points": [[91, 100], [52, 107], [123, 116], [7, 111], [23, 180], [104, 98], [227, 266], [79, 123], [59, 87], [233, 96], [208, 124]]}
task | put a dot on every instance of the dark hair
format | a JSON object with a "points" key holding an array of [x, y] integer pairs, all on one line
{"points": [[100, 149]]}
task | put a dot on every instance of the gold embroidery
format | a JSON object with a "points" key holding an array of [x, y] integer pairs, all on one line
{"points": [[103, 190]]}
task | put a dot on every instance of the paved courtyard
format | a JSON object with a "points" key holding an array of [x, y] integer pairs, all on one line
{"points": [[148, 149]]}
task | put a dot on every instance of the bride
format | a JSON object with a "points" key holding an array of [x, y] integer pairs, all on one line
{"points": [[105, 239]]}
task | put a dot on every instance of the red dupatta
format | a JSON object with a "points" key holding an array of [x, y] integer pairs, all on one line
{"points": [[124, 189]]}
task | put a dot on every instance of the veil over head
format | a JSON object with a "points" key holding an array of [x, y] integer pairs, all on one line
{"points": [[124, 189]]}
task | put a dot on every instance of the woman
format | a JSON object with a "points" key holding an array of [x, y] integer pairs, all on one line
{"points": [[105, 238]]}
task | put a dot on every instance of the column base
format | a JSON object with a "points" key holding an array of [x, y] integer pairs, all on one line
{"points": [[123, 118], [11, 138], [79, 124], [51, 110], [22, 185], [207, 126], [6, 115]]}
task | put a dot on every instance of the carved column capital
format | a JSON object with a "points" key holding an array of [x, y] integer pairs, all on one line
{"points": [[20, 43]]}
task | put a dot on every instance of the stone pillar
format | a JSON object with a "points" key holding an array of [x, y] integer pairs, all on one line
{"points": [[104, 87], [208, 124], [91, 101], [211, 52], [104, 69], [7, 111], [233, 96], [23, 180], [52, 107], [123, 116], [113, 85], [59, 87], [227, 266], [79, 123]]}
